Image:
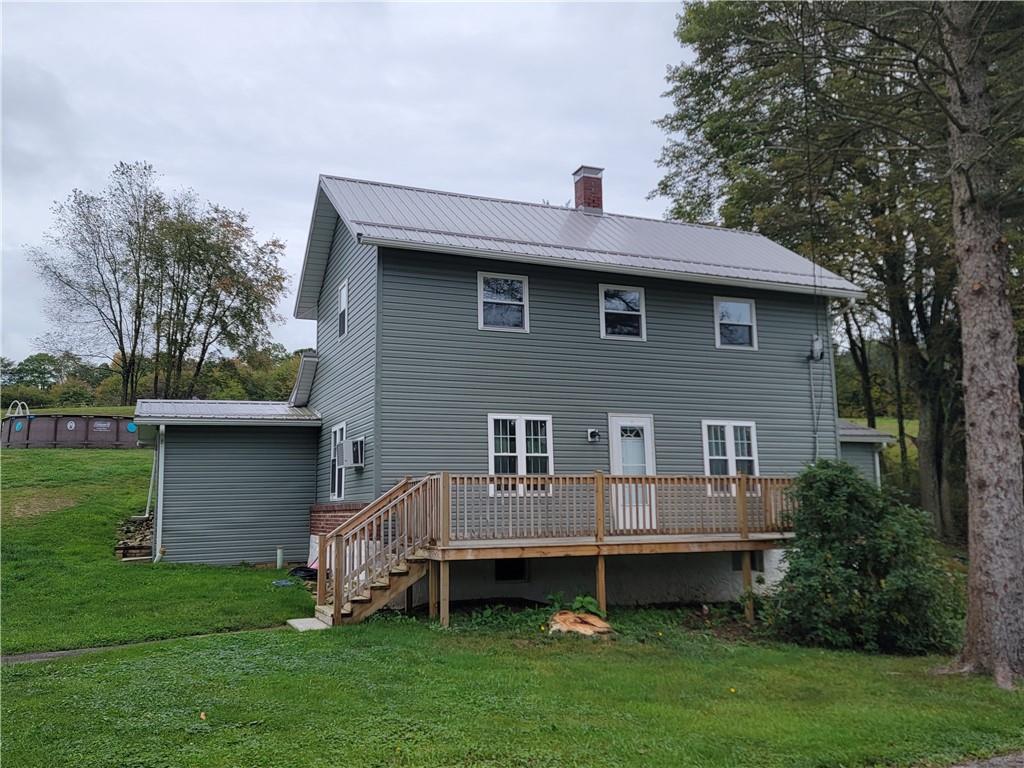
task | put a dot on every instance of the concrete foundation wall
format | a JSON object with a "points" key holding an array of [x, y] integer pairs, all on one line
{"points": [[630, 579]]}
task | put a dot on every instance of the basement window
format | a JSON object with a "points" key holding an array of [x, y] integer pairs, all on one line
{"points": [[512, 570], [756, 561]]}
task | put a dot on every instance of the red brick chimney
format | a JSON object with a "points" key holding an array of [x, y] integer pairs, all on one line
{"points": [[588, 188]]}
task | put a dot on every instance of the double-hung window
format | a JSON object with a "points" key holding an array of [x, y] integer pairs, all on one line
{"points": [[337, 462], [343, 308], [623, 315], [735, 323], [519, 445], [730, 448], [503, 302]]}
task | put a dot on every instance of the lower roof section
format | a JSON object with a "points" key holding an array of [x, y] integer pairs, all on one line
{"points": [[857, 433], [252, 413]]}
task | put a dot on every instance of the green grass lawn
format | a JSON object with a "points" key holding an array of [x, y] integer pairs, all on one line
{"points": [[62, 585], [400, 692], [88, 410]]}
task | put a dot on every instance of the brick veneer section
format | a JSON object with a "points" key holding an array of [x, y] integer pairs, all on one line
{"points": [[324, 518]]}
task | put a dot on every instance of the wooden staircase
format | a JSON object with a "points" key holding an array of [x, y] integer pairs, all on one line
{"points": [[379, 553]]}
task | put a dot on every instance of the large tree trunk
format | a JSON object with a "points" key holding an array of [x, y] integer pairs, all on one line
{"points": [[995, 616]]}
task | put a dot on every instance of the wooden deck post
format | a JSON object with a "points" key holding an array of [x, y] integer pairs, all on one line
{"points": [[599, 505], [748, 585], [432, 589], [321, 569], [446, 507], [445, 592], [602, 595], [339, 572], [741, 506]]}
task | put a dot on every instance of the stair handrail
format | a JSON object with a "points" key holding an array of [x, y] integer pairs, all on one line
{"points": [[366, 548], [371, 508]]}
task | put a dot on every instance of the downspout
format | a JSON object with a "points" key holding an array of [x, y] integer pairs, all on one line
{"points": [[152, 479], [158, 551]]}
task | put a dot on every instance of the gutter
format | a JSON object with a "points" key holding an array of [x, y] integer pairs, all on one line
{"points": [[590, 266], [159, 523]]}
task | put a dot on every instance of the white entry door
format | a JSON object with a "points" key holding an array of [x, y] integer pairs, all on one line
{"points": [[631, 442]]}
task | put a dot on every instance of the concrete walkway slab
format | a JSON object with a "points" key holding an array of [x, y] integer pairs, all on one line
{"points": [[306, 625]]}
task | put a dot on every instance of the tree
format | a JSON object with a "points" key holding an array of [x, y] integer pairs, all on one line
{"points": [[40, 370], [219, 286], [96, 266], [909, 117]]}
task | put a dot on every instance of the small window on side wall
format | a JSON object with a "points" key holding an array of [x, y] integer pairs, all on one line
{"points": [[623, 314], [735, 323], [343, 308], [337, 462], [503, 302]]}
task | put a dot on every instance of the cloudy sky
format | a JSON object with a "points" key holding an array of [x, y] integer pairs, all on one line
{"points": [[247, 103]]}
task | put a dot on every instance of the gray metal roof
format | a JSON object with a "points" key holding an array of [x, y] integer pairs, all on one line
{"points": [[857, 433], [226, 412], [423, 219], [304, 379]]}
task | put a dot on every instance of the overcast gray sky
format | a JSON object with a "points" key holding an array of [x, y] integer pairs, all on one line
{"points": [[247, 103]]}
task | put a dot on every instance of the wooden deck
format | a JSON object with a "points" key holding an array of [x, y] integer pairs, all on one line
{"points": [[651, 544], [449, 517]]}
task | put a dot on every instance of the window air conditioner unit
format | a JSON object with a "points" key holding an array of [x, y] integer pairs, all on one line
{"points": [[353, 452]]}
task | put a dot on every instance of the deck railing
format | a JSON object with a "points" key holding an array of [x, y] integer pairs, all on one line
{"points": [[596, 505]]}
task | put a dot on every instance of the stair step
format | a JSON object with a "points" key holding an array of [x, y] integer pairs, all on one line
{"points": [[364, 598], [399, 569]]}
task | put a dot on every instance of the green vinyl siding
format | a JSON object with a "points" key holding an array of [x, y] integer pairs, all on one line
{"points": [[343, 388], [235, 494], [862, 456], [439, 376]]}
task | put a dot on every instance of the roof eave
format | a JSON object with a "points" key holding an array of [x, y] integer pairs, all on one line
{"points": [[157, 421], [839, 293], [877, 440]]}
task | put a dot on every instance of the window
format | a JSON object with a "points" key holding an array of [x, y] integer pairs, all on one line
{"points": [[519, 445], [730, 448], [342, 308], [622, 312], [504, 302], [735, 323], [337, 462], [756, 561], [514, 569]]}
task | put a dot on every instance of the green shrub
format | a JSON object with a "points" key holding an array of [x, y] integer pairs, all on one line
{"points": [[863, 571]]}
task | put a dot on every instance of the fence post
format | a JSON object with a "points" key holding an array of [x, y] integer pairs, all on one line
{"points": [[741, 506], [321, 569], [446, 506], [599, 505]]}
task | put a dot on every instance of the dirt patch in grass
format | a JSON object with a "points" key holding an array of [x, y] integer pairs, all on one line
{"points": [[37, 504]]}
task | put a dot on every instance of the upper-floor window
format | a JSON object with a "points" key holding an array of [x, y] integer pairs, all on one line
{"points": [[623, 314], [504, 302], [730, 447], [342, 308], [337, 462], [735, 323]]}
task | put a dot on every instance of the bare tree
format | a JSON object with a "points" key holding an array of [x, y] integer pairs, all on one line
{"points": [[97, 262]]}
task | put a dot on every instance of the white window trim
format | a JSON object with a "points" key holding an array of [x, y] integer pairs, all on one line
{"points": [[753, 324], [520, 419], [343, 290], [643, 311], [480, 301], [730, 447], [339, 491]]}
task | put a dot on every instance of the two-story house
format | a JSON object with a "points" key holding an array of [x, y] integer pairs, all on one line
{"points": [[515, 399]]}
